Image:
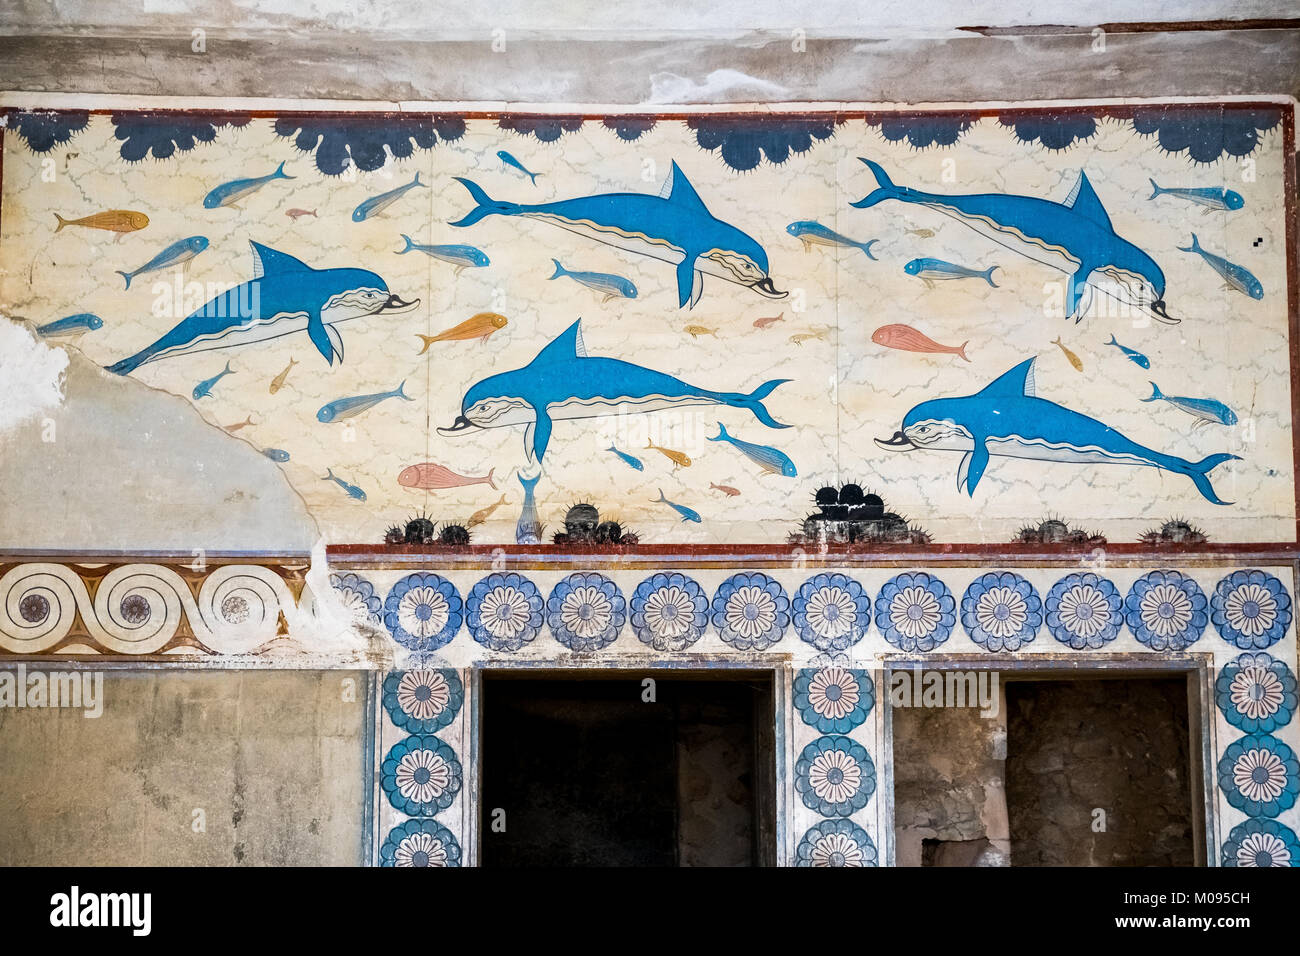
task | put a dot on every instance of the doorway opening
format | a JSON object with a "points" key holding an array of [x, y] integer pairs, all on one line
{"points": [[1058, 772], [660, 768]]}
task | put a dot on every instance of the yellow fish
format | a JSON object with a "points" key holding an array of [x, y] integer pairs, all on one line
{"points": [[278, 382], [1074, 359], [696, 331], [114, 220], [679, 459], [475, 327], [801, 337], [483, 514]]}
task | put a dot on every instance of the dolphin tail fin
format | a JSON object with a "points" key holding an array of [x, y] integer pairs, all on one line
{"points": [[491, 479], [416, 180], [866, 247], [529, 483], [62, 222], [487, 206], [409, 244], [320, 337], [987, 276], [329, 475], [124, 275], [1155, 190], [559, 269], [961, 350], [661, 497], [280, 173], [722, 433], [1112, 340], [1155, 392], [400, 392], [754, 402], [885, 188], [127, 365], [1194, 247], [1199, 472]]}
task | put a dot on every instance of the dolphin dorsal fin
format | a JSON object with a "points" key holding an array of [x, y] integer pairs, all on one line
{"points": [[1083, 200], [568, 344], [1014, 384], [266, 261], [680, 190]]}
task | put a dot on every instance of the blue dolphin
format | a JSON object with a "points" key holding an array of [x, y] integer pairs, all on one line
{"points": [[562, 382], [677, 229], [1076, 237], [1006, 418], [284, 296]]}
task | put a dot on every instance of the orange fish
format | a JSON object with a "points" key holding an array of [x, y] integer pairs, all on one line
{"points": [[114, 220], [910, 340], [475, 327], [294, 214], [238, 425], [764, 323], [430, 477], [727, 490]]}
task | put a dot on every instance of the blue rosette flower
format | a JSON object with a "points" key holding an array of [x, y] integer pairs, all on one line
{"points": [[1166, 610], [915, 611], [1259, 775], [1256, 693], [358, 596], [1084, 610], [423, 611], [670, 611], [1261, 843], [586, 611], [1001, 611], [423, 701], [833, 699], [832, 612], [751, 611], [420, 843], [504, 612], [836, 843], [834, 776], [1251, 609], [420, 775]]}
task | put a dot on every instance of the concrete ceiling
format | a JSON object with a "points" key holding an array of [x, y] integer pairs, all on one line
{"points": [[652, 53]]}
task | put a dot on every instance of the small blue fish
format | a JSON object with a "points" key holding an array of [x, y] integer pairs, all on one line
{"points": [[528, 530], [511, 161], [352, 490], [1211, 197], [459, 256], [1205, 409], [602, 283], [810, 233], [173, 255], [377, 204], [276, 454], [344, 408], [1234, 275], [71, 325], [1137, 358], [204, 388], [629, 459], [227, 194], [931, 269], [771, 460], [686, 513]]}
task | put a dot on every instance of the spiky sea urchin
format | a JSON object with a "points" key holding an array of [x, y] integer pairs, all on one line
{"points": [[453, 534], [1177, 531]]}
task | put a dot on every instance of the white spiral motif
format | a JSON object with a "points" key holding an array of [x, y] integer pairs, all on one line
{"points": [[38, 603], [239, 607], [138, 608]]}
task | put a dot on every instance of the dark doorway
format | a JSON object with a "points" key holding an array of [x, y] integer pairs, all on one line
{"points": [[590, 773], [1098, 773]]}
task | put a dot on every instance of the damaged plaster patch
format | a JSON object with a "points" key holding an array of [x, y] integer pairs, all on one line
{"points": [[31, 376]]}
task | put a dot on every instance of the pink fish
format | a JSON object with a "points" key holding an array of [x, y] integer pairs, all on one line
{"points": [[295, 213], [430, 477], [910, 340]]}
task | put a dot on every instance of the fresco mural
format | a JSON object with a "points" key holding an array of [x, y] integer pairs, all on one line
{"points": [[699, 325]]}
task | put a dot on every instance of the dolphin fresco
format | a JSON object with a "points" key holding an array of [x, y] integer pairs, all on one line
{"points": [[563, 382], [1006, 418], [1075, 236], [284, 296], [675, 228]]}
